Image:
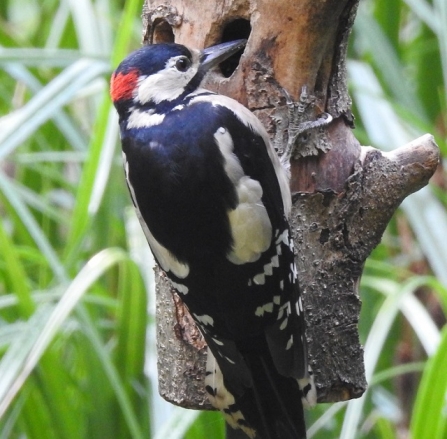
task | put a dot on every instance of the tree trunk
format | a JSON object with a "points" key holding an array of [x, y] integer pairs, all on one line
{"points": [[343, 194]]}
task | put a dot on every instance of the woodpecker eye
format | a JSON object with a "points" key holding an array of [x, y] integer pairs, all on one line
{"points": [[182, 64]]}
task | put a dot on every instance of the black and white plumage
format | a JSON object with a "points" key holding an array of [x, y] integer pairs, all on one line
{"points": [[213, 201]]}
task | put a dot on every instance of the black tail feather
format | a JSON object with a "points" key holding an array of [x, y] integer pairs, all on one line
{"points": [[278, 410]]}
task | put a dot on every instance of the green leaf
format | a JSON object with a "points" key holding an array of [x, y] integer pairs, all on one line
{"points": [[104, 138], [8, 191], [429, 420], [385, 429], [43, 325], [16, 274], [131, 330]]}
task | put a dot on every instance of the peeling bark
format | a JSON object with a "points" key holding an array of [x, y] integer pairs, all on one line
{"points": [[181, 351], [343, 194]]}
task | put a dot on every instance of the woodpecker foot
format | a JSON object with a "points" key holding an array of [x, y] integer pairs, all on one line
{"points": [[296, 125]]}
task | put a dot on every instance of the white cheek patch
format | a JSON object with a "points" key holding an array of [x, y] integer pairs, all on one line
{"points": [[159, 87], [164, 257], [166, 85], [250, 224]]}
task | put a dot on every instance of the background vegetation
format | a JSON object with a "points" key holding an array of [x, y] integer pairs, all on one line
{"points": [[74, 268]]}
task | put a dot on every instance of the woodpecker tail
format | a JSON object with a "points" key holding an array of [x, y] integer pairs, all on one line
{"points": [[271, 408]]}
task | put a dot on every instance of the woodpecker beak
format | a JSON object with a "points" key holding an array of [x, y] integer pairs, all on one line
{"points": [[214, 55]]}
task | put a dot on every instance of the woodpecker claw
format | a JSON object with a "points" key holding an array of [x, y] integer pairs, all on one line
{"points": [[296, 110]]}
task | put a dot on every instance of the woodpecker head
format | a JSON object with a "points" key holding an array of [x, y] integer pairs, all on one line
{"points": [[164, 72]]}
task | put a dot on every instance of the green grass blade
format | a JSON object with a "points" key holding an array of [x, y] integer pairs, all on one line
{"points": [[208, 425], [84, 208], [429, 419], [35, 56], [131, 328], [397, 298], [426, 13], [18, 126], [8, 191], [178, 425], [441, 12], [388, 14], [426, 214], [112, 375], [385, 55], [16, 274], [13, 362], [428, 218], [385, 429], [61, 119], [49, 323], [125, 31], [105, 162], [87, 26]]}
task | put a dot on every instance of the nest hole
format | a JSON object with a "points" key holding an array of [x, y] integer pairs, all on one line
{"points": [[162, 32], [237, 29]]}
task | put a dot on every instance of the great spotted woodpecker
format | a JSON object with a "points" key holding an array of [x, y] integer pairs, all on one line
{"points": [[213, 200]]}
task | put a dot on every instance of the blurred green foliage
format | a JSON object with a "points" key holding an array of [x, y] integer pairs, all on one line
{"points": [[74, 269]]}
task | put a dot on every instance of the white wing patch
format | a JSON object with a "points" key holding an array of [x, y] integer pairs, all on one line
{"points": [[260, 278], [260, 310], [205, 319], [164, 257], [183, 289], [232, 164], [250, 224], [251, 121]]}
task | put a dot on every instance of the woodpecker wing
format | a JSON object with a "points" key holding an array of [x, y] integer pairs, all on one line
{"points": [[276, 283]]}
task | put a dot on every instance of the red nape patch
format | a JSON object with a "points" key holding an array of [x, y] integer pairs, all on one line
{"points": [[122, 85]]}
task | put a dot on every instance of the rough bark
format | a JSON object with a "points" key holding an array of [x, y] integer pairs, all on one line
{"points": [[343, 194]]}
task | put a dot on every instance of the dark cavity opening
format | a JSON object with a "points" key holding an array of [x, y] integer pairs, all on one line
{"points": [[234, 30], [324, 236], [162, 32]]}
